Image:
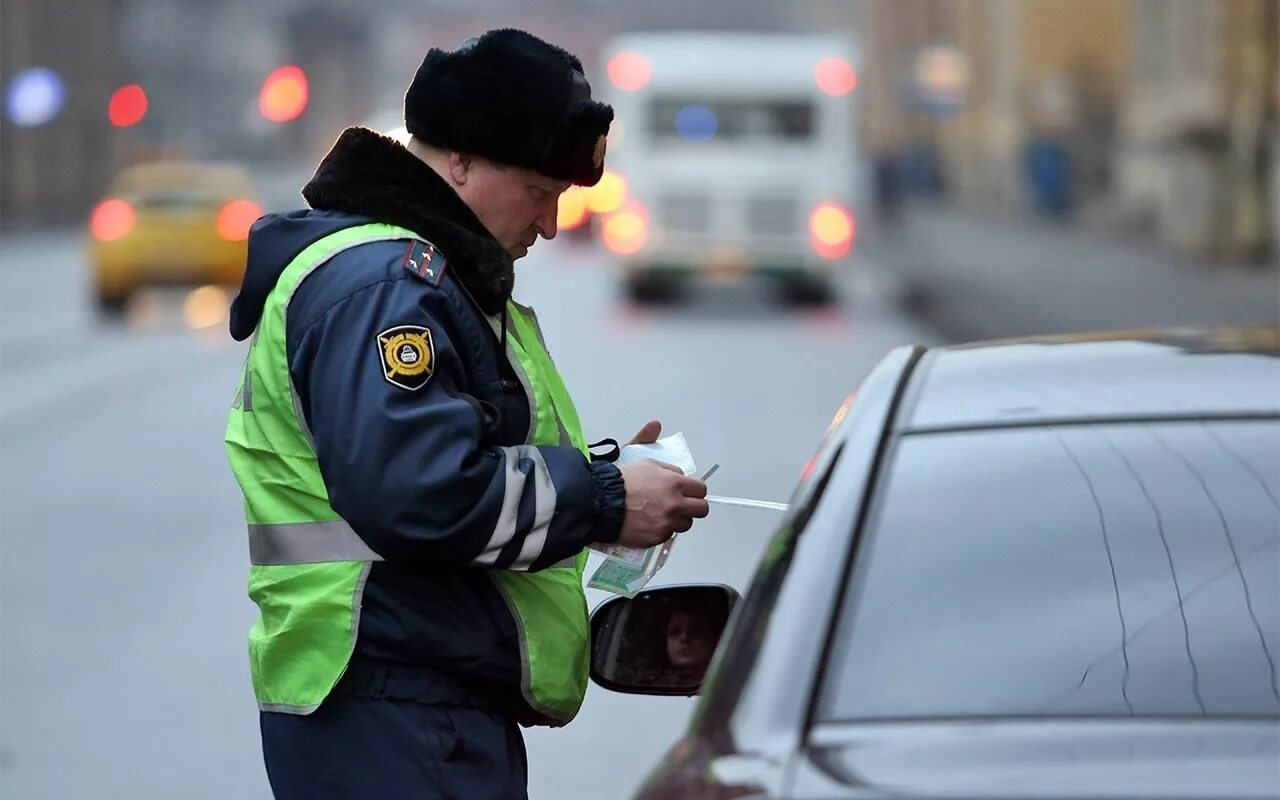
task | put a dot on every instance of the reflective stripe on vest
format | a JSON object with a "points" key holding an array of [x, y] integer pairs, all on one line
{"points": [[307, 543]]}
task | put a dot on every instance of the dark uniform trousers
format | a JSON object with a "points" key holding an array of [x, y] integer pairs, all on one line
{"points": [[366, 742]]}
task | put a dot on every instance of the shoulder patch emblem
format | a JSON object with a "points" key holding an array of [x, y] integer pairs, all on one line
{"points": [[425, 261], [408, 356]]}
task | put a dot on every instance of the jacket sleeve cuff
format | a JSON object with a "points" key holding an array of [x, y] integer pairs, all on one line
{"points": [[611, 502]]}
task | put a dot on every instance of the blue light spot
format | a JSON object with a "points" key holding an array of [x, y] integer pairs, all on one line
{"points": [[34, 97], [696, 123]]}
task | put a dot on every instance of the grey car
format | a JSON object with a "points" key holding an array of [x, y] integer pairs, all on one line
{"points": [[1036, 568]]}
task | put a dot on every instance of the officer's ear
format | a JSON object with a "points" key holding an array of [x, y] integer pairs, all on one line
{"points": [[460, 167]]}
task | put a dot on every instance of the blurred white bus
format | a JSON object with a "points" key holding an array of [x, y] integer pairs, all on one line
{"points": [[738, 154]]}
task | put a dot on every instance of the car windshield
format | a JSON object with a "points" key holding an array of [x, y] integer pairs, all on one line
{"points": [[1064, 571]]}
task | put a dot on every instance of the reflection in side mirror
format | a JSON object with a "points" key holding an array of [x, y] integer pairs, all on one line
{"points": [[660, 641]]}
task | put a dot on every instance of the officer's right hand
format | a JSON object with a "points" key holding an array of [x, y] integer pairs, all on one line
{"points": [[661, 502]]}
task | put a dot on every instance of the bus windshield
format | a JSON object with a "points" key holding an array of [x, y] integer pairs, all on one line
{"points": [[695, 119]]}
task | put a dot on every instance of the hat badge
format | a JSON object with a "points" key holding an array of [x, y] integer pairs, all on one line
{"points": [[597, 158]]}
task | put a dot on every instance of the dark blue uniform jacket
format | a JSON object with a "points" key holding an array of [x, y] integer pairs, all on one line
{"points": [[433, 477]]}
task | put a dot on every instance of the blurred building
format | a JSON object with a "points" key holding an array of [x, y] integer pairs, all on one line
{"points": [[1199, 123], [1019, 69], [201, 64], [1162, 112], [48, 169], [205, 62]]}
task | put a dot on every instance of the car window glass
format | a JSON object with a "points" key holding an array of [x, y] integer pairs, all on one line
{"points": [[1099, 570], [176, 201], [698, 119]]}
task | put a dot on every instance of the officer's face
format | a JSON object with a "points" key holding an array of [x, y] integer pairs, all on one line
{"points": [[517, 205]]}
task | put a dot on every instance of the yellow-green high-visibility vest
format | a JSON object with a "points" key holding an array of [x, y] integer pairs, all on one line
{"points": [[309, 567]]}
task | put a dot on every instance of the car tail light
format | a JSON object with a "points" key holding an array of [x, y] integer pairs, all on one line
{"points": [[835, 76], [236, 218], [607, 195], [831, 230], [627, 229], [112, 220], [629, 71], [572, 210]]}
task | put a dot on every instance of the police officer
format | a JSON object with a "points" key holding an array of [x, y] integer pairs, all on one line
{"points": [[418, 488]]}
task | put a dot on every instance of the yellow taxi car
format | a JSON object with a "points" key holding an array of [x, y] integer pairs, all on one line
{"points": [[171, 222]]}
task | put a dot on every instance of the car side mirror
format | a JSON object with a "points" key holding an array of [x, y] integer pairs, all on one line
{"points": [[661, 641]]}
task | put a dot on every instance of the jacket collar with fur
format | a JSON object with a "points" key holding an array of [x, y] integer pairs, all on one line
{"points": [[371, 175]]}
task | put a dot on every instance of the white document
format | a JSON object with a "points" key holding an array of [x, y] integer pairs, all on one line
{"points": [[672, 450], [626, 570]]}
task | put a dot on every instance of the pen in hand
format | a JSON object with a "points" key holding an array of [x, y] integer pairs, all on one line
{"points": [[739, 501]]}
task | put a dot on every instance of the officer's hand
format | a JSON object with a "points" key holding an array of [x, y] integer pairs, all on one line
{"points": [[648, 434], [661, 501]]}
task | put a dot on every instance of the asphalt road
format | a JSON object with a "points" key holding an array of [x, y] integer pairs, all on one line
{"points": [[123, 558]]}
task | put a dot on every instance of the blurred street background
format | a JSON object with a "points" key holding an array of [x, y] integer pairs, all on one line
{"points": [[1023, 166]]}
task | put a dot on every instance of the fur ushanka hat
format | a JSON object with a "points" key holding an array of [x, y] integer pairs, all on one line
{"points": [[512, 98]]}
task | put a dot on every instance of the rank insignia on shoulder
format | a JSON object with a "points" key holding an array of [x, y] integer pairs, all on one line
{"points": [[408, 356], [425, 261]]}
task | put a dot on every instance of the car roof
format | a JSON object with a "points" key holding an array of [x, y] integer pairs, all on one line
{"points": [[204, 176], [1129, 375]]}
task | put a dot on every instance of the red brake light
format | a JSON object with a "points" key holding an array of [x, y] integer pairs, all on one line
{"points": [[831, 230], [629, 71], [284, 94], [112, 220], [835, 76], [127, 106], [236, 218]]}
